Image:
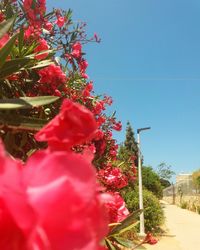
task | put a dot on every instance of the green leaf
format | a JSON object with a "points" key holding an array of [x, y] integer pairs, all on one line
{"points": [[5, 26], [126, 224], [21, 41], [27, 102], [42, 64], [125, 242], [9, 11], [109, 244], [21, 122], [6, 49], [14, 66], [139, 247]]}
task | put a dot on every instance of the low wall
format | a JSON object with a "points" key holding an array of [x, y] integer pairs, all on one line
{"points": [[177, 199]]}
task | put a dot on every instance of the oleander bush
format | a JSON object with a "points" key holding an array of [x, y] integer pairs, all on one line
{"points": [[59, 177], [153, 213]]}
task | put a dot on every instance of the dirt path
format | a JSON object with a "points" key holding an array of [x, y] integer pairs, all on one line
{"points": [[183, 230]]}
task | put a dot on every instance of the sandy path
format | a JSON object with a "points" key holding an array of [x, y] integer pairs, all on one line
{"points": [[183, 230]]}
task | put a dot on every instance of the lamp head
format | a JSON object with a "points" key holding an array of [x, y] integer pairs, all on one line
{"points": [[141, 129]]}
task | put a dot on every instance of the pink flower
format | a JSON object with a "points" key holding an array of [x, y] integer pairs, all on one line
{"points": [[48, 26], [83, 66], [96, 38], [101, 120], [116, 207], [50, 203], [35, 10], [2, 17], [117, 126], [60, 21], [73, 125], [113, 178], [53, 75], [150, 239], [76, 50], [42, 45], [4, 40], [77, 46]]}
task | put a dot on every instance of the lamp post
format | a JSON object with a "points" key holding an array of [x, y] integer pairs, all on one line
{"points": [[142, 231]]}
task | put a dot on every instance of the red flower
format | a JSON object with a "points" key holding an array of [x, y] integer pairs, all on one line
{"points": [[41, 47], [113, 178], [35, 10], [2, 17], [76, 52], [52, 75], [4, 40], [117, 126], [60, 21], [48, 26], [77, 46], [115, 207], [83, 66], [150, 239], [73, 125], [49, 202]]}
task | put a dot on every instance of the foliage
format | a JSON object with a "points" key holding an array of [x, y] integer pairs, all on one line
{"points": [[196, 179], [129, 148], [153, 213], [184, 204], [151, 181], [165, 183], [117, 234], [198, 209], [127, 156], [164, 171], [130, 142]]}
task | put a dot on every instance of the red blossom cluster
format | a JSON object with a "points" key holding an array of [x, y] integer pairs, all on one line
{"points": [[54, 196], [42, 46], [35, 10], [51, 78], [116, 207], [112, 178], [76, 54]]}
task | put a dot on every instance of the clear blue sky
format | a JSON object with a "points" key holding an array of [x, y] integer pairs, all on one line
{"points": [[149, 62]]}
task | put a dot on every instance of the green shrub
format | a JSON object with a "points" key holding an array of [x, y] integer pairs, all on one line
{"points": [[198, 209], [153, 213], [184, 205]]}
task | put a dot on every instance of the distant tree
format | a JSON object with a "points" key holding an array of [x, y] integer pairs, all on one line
{"points": [[130, 142], [196, 179], [151, 181], [164, 171], [127, 155], [129, 147], [165, 183]]}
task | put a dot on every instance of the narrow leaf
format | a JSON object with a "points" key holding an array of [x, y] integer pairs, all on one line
{"points": [[128, 222], [6, 49], [109, 244], [21, 122], [124, 242], [21, 41], [27, 102], [5, 26], [42, 64], [14, 66]]}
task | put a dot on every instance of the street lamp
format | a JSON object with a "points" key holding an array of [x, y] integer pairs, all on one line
{"points": [[142, 232]]}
